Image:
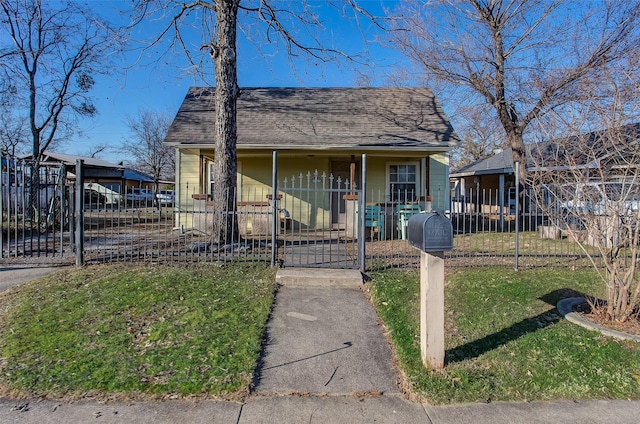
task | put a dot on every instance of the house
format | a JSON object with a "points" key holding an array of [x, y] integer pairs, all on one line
{"points": [[611, 154], [485, 174], [95, 170], [102, 179], [136, 179], [403, 131], [106, 178]]}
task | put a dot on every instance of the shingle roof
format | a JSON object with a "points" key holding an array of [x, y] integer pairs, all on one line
{"points": [[316, 118], [500, 163], [132, 174], [70, 160], [582, 151]]}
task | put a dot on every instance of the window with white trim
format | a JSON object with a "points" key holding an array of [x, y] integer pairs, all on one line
{"points": [[403, 181], [210, 178]]}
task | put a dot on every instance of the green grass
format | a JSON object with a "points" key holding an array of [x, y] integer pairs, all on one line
{"points": [[529, 243], [147, 331], [504, 339], [476, 248]]}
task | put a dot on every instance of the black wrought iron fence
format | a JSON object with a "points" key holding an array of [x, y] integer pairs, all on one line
{"points": [[34, 209], [45, 215]]}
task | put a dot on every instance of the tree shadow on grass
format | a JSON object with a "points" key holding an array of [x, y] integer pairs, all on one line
{"points": [[526, 326]]}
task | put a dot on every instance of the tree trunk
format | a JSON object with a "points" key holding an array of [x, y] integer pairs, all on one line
{"points": [[519, 153], [225, 162]]}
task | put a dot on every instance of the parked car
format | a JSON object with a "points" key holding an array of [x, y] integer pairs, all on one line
{"points": [[93, 199], [140, 196], [165, 197]]}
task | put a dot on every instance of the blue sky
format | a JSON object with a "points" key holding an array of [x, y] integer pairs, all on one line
{"points": [[161, 82]]}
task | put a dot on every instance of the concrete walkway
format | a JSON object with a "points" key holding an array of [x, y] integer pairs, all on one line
{"points": [[325, 341], [326, 360]]}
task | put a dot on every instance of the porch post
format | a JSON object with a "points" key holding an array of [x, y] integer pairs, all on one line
{"points": [[352, 173], [362, 201], [274, 209]]}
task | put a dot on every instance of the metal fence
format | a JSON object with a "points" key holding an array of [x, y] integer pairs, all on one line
{"points": [[313, 220], [34, 209]]}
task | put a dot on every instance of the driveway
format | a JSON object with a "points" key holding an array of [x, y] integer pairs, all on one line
{"points": [[10, 275]]}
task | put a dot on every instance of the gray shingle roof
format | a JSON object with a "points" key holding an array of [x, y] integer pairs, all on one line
{"points": [[70, 160], [581, 151], [500, 163], [317, 118]]}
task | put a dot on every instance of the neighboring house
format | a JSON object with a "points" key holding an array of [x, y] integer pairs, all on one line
{"points": [[102, 179], [105, 176], [492, 180], [110, 175], [486, 185], [95, 170], [403, 131], [485, 174], [136, 179]]}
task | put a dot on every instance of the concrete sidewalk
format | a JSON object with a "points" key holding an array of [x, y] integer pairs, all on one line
{"points": [[326, 360], [324, 410]]}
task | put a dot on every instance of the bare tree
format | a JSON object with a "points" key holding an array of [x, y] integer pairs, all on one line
{"points": [[268, 21], [50, 53], [480, 133], [14, 133], [96, 150], [589, 184], [148, 130], [522, 58]]}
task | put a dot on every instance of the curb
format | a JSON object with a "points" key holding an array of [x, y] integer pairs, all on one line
{"points": [[565, 307]]}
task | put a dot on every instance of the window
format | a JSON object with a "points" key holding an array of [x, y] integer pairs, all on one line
{"points": [[210, 178], [403, 181]]}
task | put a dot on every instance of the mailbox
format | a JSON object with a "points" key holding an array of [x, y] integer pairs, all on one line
{"points": [[430, 232]]}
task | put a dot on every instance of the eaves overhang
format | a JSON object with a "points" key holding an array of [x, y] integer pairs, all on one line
{"points": [[244, 147], [481, 172]]}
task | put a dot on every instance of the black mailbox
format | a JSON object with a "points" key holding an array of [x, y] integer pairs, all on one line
{"points": [[430, 232]]}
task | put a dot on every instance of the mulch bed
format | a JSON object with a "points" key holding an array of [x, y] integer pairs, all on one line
{"points": [[599, 316]]}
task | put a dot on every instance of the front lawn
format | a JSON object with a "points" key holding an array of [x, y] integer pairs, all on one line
{"points": [[504, 339], [146, 332]]}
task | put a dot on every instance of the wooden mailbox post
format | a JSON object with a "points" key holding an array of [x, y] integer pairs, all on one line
{"points": [[432, 233]]}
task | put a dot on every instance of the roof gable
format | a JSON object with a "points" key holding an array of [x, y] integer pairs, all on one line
{"points": [[320, 118]]}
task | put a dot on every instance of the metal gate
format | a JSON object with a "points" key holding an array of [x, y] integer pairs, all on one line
{"points": [[318, 221], [313, 223], [34, 209]]}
